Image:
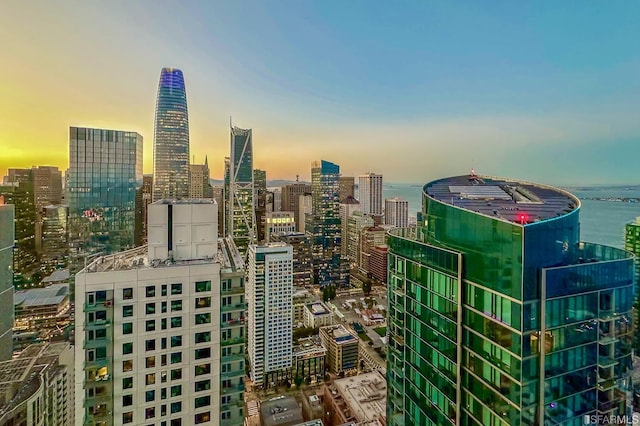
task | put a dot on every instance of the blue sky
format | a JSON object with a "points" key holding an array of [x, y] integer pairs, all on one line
{"points": [[544, 91]]}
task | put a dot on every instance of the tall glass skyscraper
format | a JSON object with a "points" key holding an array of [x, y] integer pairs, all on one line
{"points": [[241, 217], [105, 169], [171, 138], [500, 315], [323, 224]]}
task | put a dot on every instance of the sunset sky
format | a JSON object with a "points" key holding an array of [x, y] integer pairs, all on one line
{"points": [[414, 90]]}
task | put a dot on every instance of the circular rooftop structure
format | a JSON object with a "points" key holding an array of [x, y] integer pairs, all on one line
{"points": [[504, 199]]}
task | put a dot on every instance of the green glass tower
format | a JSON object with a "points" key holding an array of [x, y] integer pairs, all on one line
{"points": [[632, 244], [499, 315]]}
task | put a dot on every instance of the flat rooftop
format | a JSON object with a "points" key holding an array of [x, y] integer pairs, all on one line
{"points": [[52, 295], [281, 410], [509, 200], [318, 309], [365, 395], [339, 333], [227, 256]]}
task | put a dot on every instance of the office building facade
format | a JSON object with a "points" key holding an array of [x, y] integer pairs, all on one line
{"points": [[500, 315], [7, 230], [241, 213], [348, 206], [199, 181], [278, 223], [160, 328], [171, 137], [346, 187], [370, 193], [269, 293], [290, 200], [396, 212]]}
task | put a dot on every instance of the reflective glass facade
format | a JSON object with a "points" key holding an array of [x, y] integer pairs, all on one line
{"points": [[104, 172], [171, 138], [323, 224], [241, 218], [7, 236], [502, 322]]}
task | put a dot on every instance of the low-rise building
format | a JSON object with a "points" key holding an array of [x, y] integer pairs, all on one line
{"points": [[41, 308], [36, 388], [342, 348], [317, 314], [309, 359], [360, 400]]}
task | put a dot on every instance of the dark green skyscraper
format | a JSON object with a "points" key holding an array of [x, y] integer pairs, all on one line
{"points": [[499, 315]]}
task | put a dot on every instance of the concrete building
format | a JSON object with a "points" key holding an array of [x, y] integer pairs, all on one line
{"points": [[378, 262], [302, 256], [36, 388], [54, 243], [278, 223], [301, 297], [370, 193], [261, 195], [309, 360], [317, 314], [219, 197], [396, 212], [269, 292], [160, 329], [522, 323], [200, 181], [342, 348], [304, 208], [144, 196], [348, 206], [6, 279], [358, 400], [369, 238], [347, 187], [355, 224], [281, 411], [290, 200]]}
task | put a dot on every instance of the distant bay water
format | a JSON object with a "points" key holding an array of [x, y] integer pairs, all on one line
{"points": [[601, 221]]}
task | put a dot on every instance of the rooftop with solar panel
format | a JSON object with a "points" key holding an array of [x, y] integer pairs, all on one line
{"points": [[510, 200]]}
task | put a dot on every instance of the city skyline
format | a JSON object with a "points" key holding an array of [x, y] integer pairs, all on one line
{"points": [[495, 88]]}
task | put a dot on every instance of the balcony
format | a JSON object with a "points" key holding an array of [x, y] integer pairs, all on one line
{"points": [[96, 305], [97, 323], [233, 389], [232, 374], [233, 341], [233, 358], [232, 322], [236, 307], [233, 290]]}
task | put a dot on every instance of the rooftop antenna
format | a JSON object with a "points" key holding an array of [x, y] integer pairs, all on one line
{"points": [[297, 178]]}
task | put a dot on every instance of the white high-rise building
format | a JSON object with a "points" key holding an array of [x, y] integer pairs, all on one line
{"points": [[269, 295], [160, 329], [278, 223], [370, 193], [348, 206], [305, 207], [396, 212]]}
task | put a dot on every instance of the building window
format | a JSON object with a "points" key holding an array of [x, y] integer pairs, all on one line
{"points": [[202, 369], [176, 407], [127, 348], [203, 319], [150, 361], [176, 374], [127, 328], [203, 417], [202, 401], [202, 353], [151, 291], [163, 324], [150, 396], [164, 289], [176, 289], [203, 302], [127, 311], [127, 417], [202, 385], [176, 305], [203, 337], [176, 390], [163, 343], [226, 415], [150, 308], [127, 365], [127, 400], [176, 322], [150, 379], [150, 412], [127, 293], [150, 345], [203, 286], [176, 357], [176, 422], [163, 376], [176, 341], [127, 383], [150, 325]]}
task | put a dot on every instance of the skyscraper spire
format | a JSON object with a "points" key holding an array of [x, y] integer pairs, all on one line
{"points": [[171, 138]]}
